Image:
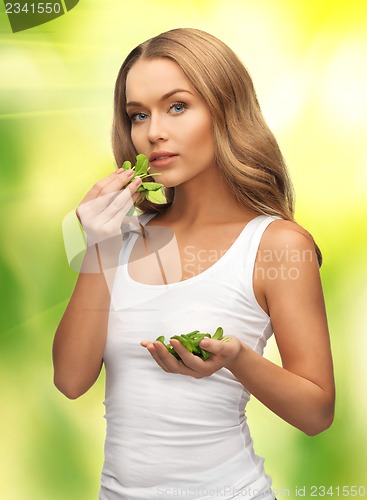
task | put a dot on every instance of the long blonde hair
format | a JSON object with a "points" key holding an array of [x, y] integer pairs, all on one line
{"points": [[246, 151]]}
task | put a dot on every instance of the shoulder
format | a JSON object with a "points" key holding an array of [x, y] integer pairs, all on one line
{"points": [[284, 234], [287, 245], [285, 265]]}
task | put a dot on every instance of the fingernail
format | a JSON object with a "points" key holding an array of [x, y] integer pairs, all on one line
{"points": [[130, 172], [204, 343], [137, 181]]}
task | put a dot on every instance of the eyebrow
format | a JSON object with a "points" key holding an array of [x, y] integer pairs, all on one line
{"points": [[163, 98]]}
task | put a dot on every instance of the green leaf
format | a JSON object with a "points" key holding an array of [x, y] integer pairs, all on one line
{"points": [[141, 166], [126, 165], [205, 354], [141, 160], [192, 334], [156, 197], [191, 340], [187, 343], [172, 351], [218, 334], [151, 186]]}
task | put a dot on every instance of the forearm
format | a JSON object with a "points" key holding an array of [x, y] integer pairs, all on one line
{"points": [[81, 335], [295, 399]]}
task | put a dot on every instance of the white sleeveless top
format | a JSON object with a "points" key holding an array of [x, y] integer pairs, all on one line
{"points": [[169, 435]]}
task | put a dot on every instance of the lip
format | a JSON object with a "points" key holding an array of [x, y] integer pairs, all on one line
{"points": [[162, 158], [158, 154]]}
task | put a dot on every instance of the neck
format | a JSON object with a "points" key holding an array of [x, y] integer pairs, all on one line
{"points": [[206, 199]]}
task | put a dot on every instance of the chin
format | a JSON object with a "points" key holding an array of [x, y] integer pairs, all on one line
{"points": [[166, 180]]}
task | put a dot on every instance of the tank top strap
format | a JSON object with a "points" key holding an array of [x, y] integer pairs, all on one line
{"points": [[252, 242], [145, 218], [132, 224]]}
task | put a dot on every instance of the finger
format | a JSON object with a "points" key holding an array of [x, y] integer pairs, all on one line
{"points": [[120, 180], [194, 363], [98, 186], [113, 182], [212, 345], [112, 211], [122, 201], [225, 349], [107, 205], [153, 352], [93, 208], [167, 361]]}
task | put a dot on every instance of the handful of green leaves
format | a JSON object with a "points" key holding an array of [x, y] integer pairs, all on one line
{"points": [[191, 342], [141, 169]]}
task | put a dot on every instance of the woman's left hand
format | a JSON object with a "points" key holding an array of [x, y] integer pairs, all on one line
{"points": [[223, 355]]}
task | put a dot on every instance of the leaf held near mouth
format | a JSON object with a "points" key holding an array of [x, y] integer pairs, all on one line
{"points": [[149, 190], [150, 186]]}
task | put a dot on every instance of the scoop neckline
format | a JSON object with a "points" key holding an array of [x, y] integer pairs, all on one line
{"points": [[197, 277]]}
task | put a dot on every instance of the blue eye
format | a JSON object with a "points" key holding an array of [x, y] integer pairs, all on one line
{"points": [[138, 117], [178, 107]]}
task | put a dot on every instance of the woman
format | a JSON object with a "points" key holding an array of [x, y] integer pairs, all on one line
{"points": [[223, 251]]}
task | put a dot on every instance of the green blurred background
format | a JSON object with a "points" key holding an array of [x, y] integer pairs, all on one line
{"points": [[308, 60]]}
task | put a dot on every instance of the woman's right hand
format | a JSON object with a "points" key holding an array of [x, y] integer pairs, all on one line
{"points": [[102, 211]]}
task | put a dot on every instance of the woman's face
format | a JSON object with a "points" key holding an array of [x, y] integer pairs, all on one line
{"points": [[170, 123]]}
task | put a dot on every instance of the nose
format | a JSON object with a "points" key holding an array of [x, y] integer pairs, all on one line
{"points": [[157, 131]]}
